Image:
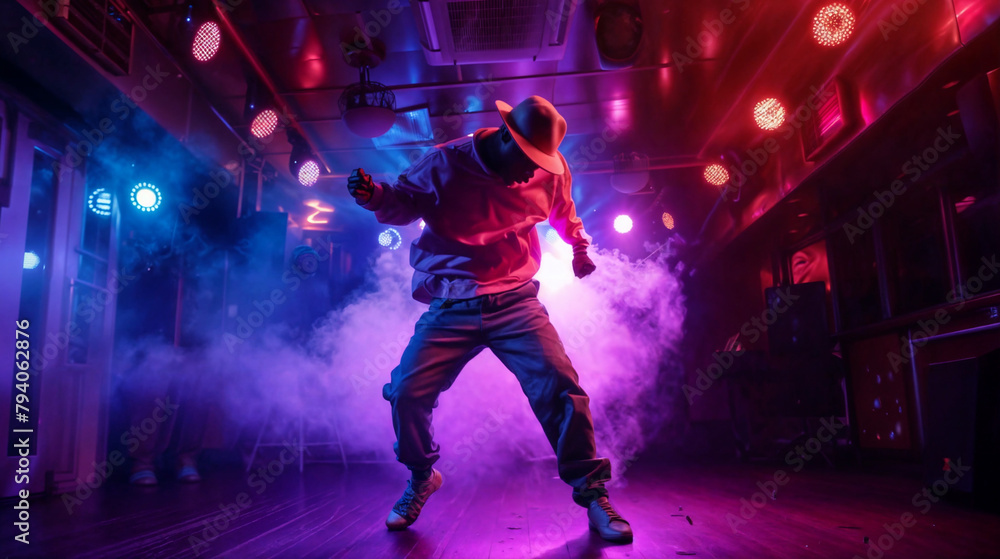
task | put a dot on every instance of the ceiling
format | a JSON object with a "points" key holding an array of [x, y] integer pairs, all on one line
{"points": [[656, 108], [685, 101]]}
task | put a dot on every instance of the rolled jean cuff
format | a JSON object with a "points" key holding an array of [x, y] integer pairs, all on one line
{"points": [[589, 494]]}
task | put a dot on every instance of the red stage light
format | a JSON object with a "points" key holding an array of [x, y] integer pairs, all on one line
{"points": [[716, 174], [833, 25], [668, 220], [206, 41], [309, 173], [264, 123], [769, 114]]}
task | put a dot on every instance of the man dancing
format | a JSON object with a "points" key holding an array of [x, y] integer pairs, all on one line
{"points": [[480, 199]]}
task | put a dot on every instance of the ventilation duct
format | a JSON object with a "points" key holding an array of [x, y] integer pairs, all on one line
{"points": [[482, 31], [100, 29]]}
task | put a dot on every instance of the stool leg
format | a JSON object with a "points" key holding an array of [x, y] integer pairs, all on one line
{"points": [[256, 445]]}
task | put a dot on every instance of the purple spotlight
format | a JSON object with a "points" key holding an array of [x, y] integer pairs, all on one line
{"points": [[623, 223]]}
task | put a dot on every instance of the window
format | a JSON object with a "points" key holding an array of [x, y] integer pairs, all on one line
{"points": [[916, 257], [855, 273], [973, 199]]}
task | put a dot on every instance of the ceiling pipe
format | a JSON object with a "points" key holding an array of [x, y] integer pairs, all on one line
{"points": [[594, 168], [606, 167], [262, 74], [508, 79]]}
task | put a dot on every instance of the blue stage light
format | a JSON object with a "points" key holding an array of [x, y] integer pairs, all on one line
{"points": [[99, 202], [31, 261], [146, 197], [390, 238]]}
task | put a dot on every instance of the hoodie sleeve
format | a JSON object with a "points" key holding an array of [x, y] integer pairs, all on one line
{"points": [[563, 216], [410, 196]]}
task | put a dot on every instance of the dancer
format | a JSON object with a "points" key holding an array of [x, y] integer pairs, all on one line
{"points": [[480, 199]]}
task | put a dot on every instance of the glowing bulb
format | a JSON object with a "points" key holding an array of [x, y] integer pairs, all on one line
{"points": [[716, 174], [309, 173], [833, 25], [264, 124], [31, 261], [390, 239], [206, 41], [99, 202], [668, 220], [146, 197], [623, 224], [769, 114]]}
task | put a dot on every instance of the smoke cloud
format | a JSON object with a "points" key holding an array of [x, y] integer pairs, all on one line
{"points": [[620, 326]]}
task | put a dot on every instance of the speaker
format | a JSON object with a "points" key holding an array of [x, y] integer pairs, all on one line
{"points": [[262, 240], [962, 430], [979, 107], [255, 291], [800, 326]]}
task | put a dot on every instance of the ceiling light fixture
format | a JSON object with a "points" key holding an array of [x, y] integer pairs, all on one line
{"points": [[833, 25], [207, 41], [264, 124], [769, 114], [716, 174], [368, 108], [623, 224], [302, 163], [668, 220]]}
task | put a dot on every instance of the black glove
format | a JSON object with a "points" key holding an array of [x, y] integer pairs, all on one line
{"points": [[582, 264], [361, 186]]}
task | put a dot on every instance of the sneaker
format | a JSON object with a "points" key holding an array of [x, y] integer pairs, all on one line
{"points": [[143, 477], [408, 507], [607, 522], [188, 474]]}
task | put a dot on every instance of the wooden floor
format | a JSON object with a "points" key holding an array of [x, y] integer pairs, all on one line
{"points": [[327, 512]]}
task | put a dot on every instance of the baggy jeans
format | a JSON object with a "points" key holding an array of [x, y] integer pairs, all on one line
{"points": [[516, 327]]}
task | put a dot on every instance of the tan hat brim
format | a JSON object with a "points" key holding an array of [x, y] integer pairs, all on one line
{"points": [[551, 163]]}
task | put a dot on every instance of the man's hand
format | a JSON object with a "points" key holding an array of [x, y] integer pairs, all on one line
{"points": [[360, 186], [582, 264]]}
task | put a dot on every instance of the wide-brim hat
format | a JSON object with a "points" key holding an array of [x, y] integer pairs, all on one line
{"points": [[538, 129]]}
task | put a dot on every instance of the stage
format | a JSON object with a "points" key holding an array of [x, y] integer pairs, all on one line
{"points": [[709, 511]]}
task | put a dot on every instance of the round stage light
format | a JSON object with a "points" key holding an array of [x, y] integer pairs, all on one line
{"points": [[833, 25], [264, 124], [390, 239], [309, 173], [716, 174], [146, 197], [31, 261], [769, 114], [206, 41], [99, 202], [623, 224], [668, 220]]}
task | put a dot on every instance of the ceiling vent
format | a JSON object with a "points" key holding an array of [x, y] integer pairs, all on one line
{"points": [[482, 31], [100, 29], [836, 116]]}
